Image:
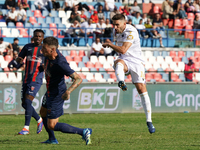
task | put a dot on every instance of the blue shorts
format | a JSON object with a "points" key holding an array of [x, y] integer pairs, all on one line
{"points": [[54, 105], [30, 89]]}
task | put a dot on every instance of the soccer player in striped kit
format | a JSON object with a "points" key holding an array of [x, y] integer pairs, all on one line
{"points": [[33, 79]]}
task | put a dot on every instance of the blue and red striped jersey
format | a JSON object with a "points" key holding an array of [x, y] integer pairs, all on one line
{"points": [[34, 63], [55, 70]]}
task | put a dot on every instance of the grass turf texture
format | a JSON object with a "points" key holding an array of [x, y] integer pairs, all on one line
{"points": [[110, 132]]}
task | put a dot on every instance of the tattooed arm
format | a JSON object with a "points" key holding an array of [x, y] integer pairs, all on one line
{"points": [[77, 81]]}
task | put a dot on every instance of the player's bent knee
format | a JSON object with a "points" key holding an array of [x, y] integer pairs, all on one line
{"points": [[43, 112], [141, 87], [51, 125]]}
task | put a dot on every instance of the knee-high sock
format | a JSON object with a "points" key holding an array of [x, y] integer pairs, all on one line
{"points": [[29, 112], [66, 128], [50, 132], [119, 71], [146, 105]]}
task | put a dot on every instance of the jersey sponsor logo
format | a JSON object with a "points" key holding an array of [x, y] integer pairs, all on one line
{"points": [[30, 49], [130, 37], [136, 102], [98, 99], [34, 58], [9, 99]]}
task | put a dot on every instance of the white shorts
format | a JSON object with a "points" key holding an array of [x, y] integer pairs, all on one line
{"points": [[137, 71]]}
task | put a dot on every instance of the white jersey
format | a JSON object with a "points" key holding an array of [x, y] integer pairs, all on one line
{"points": [[134, 53]]}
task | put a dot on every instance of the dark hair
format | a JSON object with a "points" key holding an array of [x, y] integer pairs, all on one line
{"points": [[51, 41], [1, 39], [118, 17], [16, 39], [38, 30], [141, 19]]}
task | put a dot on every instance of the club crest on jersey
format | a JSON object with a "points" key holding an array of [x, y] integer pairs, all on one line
{"points": [[32, 88], [130, 37], [51, 64], [48, 111]]}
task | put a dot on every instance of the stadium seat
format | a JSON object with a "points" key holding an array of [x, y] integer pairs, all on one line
{"points": [[107, 66], [81, 53], [73, 65], [110, 80], [191, 16], [89, 64], [152, 70], [55, 32], [11, 25], [176, 59], [85, 59], [28, 25], [181, 54], [97, 76], [181, 65], [184, 59], [3, 24], [32, 20], [37, 13], [156, 65], [4, 77], [197, 65], [1, 58], [159, 59], [29, 13], [49, 20], [41, 20], [91, 7], [156, 53], [188, 54], [172, 54], [61, 26], [148, 54], [8, 58], [174, 76], [185, 22], [165, 65], [113, 76], [173, 65], [77, 59], [93, 59], [68, 58], [189, 34], [152, 59], [45, 26], [148, 76], [168, 70], [4, 12], [110, 59], [52, 25], [82, 75], [157, 76], [45, 13], [54, 13], [102, 80], [4, 64], [196, 54], [178, 80], [98, 65], [84, 80], [109, 70], [156, 9], [165, 76], [148, 66], [198, 38], [93, 80], [102, 59], [182, 77], [81, 64], [19, 25], [89, 76], [48, 32], [61, 14], [36, 25], [57, 21], [73, 53], [33, 7], [178, 25], [85, 70]]}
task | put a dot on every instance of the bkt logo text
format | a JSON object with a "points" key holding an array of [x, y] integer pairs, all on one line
{"points": [[98, 99]]}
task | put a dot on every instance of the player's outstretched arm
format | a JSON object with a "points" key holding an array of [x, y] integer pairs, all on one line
{"points": [[76, 82], [120, 49]]}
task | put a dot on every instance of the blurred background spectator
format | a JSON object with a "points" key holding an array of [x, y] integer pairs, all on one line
{"points": [[144, 18], [71, 34], [136, 19], [109, 5], [196, 22], [112, 13], [24, 4], [100, 12], [141, 28], [12, 16], [56, 5], [189, 67], [4, 46], [43, 5], [9, 4], [179, 9], [21, 14], [13, 65], [94, 17], [15, 45], [135, 8], [97, 48], [168, 11], [189, 6], [75, 15]]}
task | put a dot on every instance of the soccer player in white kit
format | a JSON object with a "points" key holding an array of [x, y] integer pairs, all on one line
{"points": [[130, 61]]}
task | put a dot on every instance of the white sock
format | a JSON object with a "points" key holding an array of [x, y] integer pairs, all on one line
{"points": [[119, 71], [146, 105], [39, 120], [26, 127]]}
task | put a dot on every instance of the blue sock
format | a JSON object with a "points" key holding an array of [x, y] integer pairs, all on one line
{"points": [[27, 105], [50, 132], [66, 128], [35, 114]]}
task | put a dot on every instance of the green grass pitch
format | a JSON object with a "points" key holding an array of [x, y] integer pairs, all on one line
{"points": [[174, 131]]}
